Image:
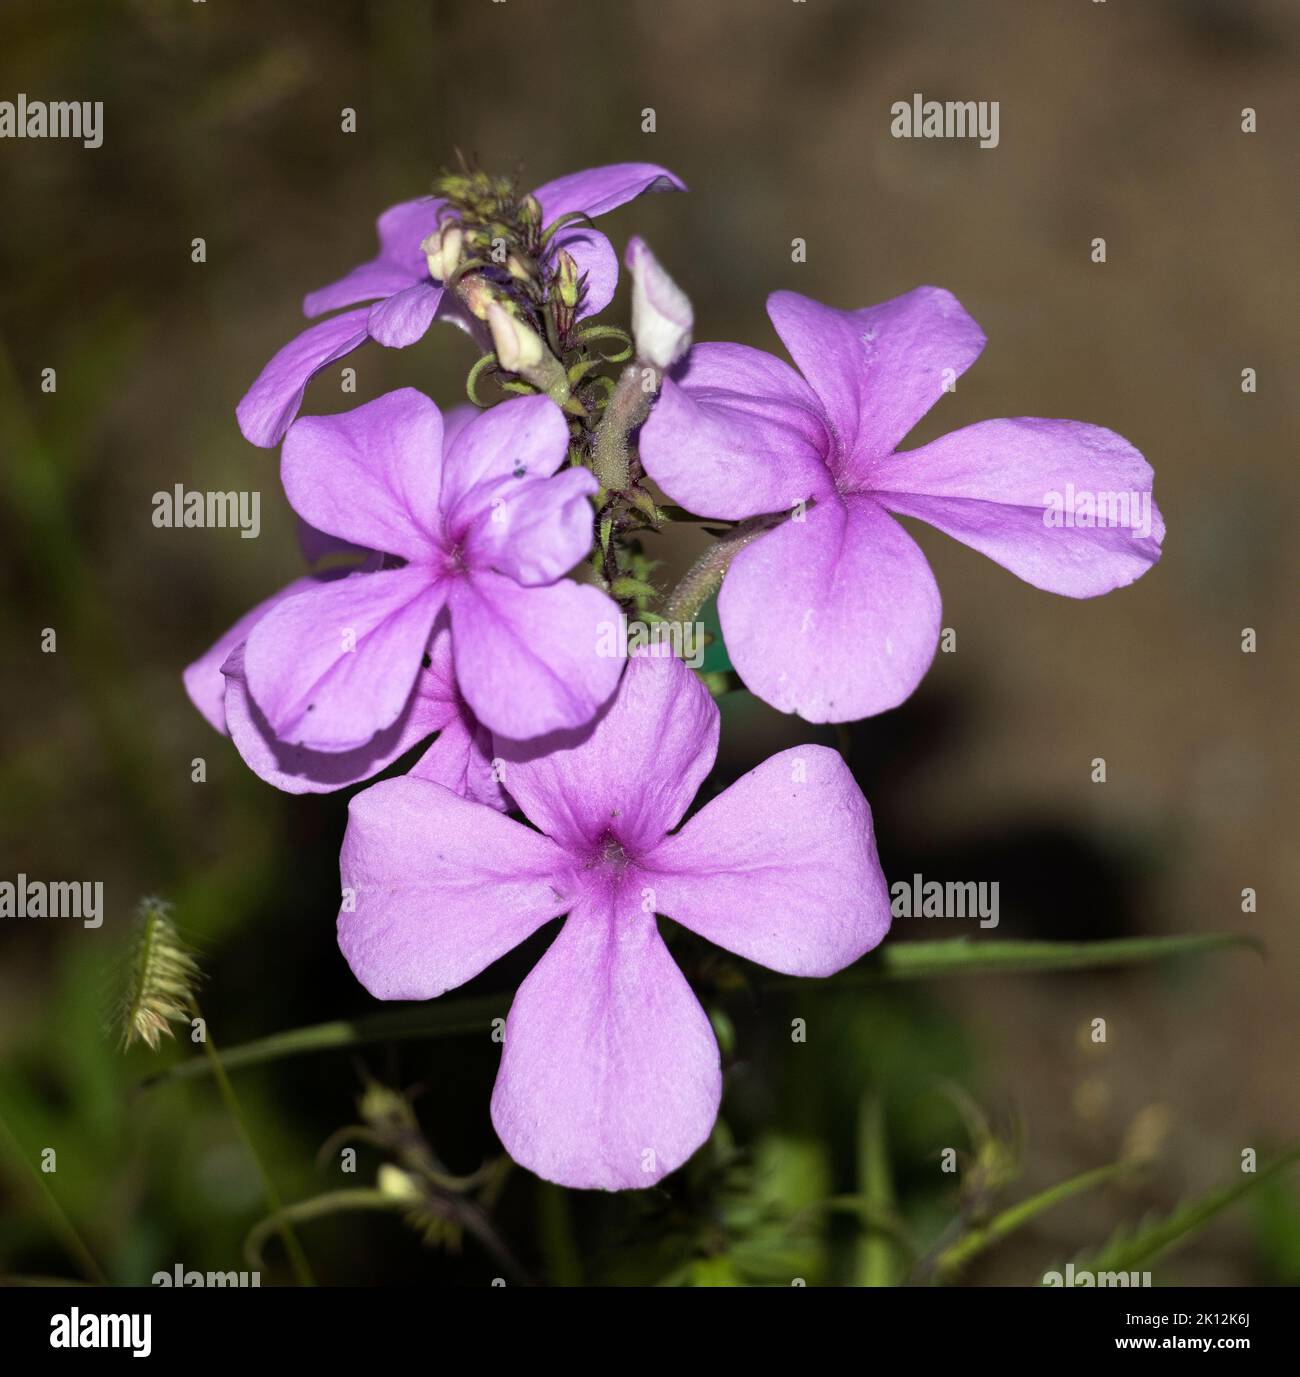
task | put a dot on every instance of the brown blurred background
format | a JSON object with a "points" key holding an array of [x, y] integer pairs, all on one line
{"points": [[1117, 120]]}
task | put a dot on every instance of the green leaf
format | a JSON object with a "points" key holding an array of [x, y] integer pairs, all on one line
{"points": [[435, 1019], [1129, 1250], [895, 961], [970, 1245], [628, 587], [974, 956]]}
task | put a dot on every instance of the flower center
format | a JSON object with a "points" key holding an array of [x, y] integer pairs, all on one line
{"points": [[610, 852], [454, 559]]}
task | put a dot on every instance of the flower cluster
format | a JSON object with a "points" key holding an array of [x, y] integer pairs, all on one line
{"points": [[440, 607]]}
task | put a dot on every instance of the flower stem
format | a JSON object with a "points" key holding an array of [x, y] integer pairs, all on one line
{"points": [[63, 1226], [877, 1251], [956, 1255], [465, 1212], [939, 959], [628, 406], [704, 577], [298, 1259], [550, 378], [304, 1211]]}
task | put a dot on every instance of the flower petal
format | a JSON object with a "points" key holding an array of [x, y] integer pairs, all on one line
{"points": [[879, 370], [610, 1075], [461, 760], [595, 192], [298, 770], [436, 888], [598, 190], [454, 420], [370, 475], [1009, 488], [634, 774], [404, 318], [834, 617], [272, 402], [367, 282], [400, 261], [203, 679], [735, 433], [781, 868], [335, 665], [528, 660], [319, 546], [662, 316], [533, 529], [522, 437]]}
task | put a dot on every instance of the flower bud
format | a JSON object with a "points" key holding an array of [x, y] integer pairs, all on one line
{"points": [[477, 294], [442, 250], [566, 280], [396, 1183], [517, 347], [662, 319]]}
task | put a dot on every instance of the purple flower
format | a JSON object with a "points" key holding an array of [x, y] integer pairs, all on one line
{"points": [[460, 758], [475, 529], [406, 299], [834, 614], [610, 1073]]}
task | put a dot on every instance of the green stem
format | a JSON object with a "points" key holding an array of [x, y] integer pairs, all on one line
{"points": [[301, 1267], [424, 1021], [549, 377], [560, 1248], [896, 961], [1132, 1251], [63, 1226], [628, 406], [704, 577], [317, 1207], [469, 1215], [877, 1252], [964, 956], [957, 1255]]}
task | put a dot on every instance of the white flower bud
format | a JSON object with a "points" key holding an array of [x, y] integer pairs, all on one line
{"points": [[442, 250], [517, 347], [477, 294], [396, 1183], [662, 319]]}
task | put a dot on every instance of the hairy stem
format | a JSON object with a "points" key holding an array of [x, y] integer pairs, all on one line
{"points": [[704, 577], [628, 406]]}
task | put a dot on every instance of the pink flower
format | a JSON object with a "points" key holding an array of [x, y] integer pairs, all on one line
{"points": [[461, 616], [406, 299], [610, 1074], [834, 614]]}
